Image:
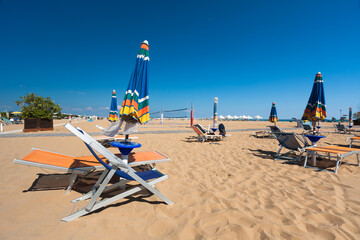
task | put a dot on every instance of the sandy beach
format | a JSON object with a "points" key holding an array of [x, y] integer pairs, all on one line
{"points": [[232, 189]]}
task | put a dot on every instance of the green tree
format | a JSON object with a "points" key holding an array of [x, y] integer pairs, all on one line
{"points": [[356, 115], [33, 106]]}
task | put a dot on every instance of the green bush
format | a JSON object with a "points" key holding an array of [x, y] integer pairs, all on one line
{"points": [[33, 106]]}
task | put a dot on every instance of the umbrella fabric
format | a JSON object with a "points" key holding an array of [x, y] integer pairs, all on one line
{"points": [[273, 114], [113, 115], [350, 115], [135, 106], [316, 109]]}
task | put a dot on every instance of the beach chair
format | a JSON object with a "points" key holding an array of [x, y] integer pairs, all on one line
{"points": [[340, 128], [331, 152], [61, 162], [201, 136], [353, 139], [275, 131], [262, 134], [84, 165], [222, 131], [307, 128], [203, 129], [292, 142], [116, 166]]}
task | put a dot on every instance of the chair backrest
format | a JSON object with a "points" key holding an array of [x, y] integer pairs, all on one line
{"points": [[201, 128], [307, 127], [197, 130], [222, 130], [92, 144], [275, 130], [342, 127], [291, 141]]}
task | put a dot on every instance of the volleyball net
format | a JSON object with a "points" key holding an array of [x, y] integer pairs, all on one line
{"points": [[176, 113]]}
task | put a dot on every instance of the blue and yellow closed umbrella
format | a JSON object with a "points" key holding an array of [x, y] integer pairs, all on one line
{"points": [[113, 115], [273, 114], [135, 106], [316, 109]]}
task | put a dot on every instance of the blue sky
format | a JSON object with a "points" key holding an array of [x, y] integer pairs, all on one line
{"points": [[246, 53]]}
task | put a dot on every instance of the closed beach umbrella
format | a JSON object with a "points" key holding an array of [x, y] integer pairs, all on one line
{"points": [[273, 114], [113, 115], [316, 109], [350, 116], [135, 106]]}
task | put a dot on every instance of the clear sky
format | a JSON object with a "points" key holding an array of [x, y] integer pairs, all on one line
{"points": [[246, 53]]}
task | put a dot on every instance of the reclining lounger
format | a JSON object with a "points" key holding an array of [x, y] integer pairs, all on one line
{"points": [[146, 179]]}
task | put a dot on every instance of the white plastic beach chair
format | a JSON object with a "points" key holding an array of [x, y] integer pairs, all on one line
{"points": [[146, 179]]}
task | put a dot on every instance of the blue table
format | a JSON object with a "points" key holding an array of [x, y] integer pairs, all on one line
{"points": [[314, 139], [214, 129], [125, 148]]}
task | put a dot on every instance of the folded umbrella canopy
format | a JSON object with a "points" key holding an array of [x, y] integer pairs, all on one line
{"points": [[350, 117], [135, 106], [113, 115], [316, 109], [273, 114]]}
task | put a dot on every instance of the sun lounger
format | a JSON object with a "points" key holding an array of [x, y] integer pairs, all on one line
{"points": [[307, 128], [292, 142], [262, 134], [353, 139], [340, 128], [222, 131], [82, 165], [146, 179], [60, 162], [331, 152], [201, 136]]}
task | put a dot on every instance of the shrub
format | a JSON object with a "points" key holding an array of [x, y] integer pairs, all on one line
{"points": [[33, 106]]}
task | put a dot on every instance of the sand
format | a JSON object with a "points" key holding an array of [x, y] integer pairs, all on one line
{"points": [[230, 190]]}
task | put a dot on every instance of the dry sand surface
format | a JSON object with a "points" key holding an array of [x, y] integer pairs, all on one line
{"points": [[229, 190]]}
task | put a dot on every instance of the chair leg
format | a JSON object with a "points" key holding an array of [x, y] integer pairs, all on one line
{"points": [[278, 152], [93, 190], [306, 158], [337, 164], [101, 188], [107, 201], [71, 182]]}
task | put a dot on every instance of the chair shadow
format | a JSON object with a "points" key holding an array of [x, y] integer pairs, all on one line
{"points": [[48, 182], [271, 156], [322, 163]]}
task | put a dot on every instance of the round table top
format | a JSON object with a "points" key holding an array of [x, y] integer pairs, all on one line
{"points": [[314, 138], [125, 144]]}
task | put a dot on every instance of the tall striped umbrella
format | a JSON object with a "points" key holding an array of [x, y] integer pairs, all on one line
{"points": [[350, 117], [273, 114], [135, 106], [113, 115], [316, 109]]}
